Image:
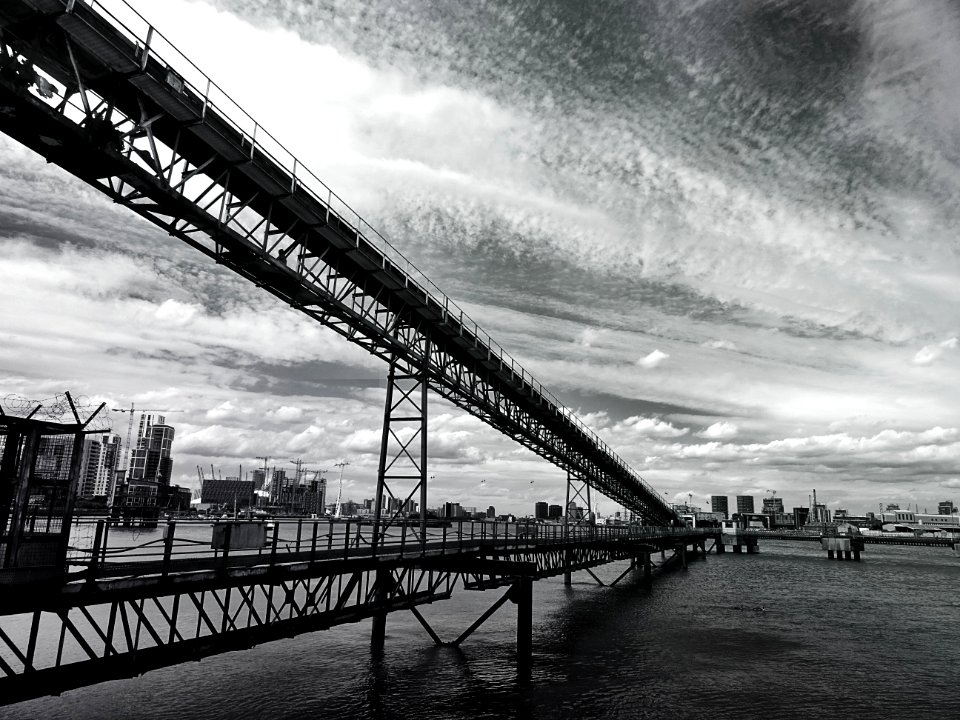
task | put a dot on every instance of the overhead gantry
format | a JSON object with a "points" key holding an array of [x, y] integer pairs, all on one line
{"points": [[106, 97]]}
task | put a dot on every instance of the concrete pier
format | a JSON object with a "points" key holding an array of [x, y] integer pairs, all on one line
{"points": [[738, 541], [843, 547]]}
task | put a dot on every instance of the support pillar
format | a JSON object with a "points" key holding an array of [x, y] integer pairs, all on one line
{"points": [[738, 549], [846, 554], [830, 554], [647, 575], [683, 556], [523, 597], [378, 631], [856, 554], [402, 469], [721, 548]]}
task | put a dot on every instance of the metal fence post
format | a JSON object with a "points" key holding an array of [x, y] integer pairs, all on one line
{"points": [[273, 543], [168, 546], [95, 553]]}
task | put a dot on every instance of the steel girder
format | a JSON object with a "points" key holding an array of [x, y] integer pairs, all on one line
{"points": [[128, 124], [402, 471], [118, 629]]}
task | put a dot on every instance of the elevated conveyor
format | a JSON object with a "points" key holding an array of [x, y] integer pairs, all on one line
{"points": [[103, 95]]}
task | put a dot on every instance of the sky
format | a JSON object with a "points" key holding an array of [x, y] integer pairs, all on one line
{"points": [[725, 236]]}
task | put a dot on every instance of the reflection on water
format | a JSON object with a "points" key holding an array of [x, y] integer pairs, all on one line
{"points": [[785, 633]]}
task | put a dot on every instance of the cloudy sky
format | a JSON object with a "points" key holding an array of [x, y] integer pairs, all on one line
{"points": [[725, 234]]}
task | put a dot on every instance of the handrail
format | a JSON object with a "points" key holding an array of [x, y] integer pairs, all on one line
{"points": [[338, 540]]}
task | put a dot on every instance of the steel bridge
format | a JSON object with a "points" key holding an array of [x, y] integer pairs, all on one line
{"points": [[120, 612], [103, 95], [100, 92]]}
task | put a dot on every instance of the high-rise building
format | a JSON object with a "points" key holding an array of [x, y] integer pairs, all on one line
{"points": [[554, 512], [491, 512], [720, 504], [745, 504], [772, 505], [258, 477], [946, 508], [101, 455], [541, 510], [150, 457]]}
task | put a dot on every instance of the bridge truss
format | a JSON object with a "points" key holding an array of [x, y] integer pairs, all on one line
{"points": [[103, 95], [120, 619]]}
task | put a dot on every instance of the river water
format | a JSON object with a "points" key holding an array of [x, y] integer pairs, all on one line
{"points": [[785, 633]]}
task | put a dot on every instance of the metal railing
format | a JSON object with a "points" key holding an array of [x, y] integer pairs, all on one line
{"points": [[101, 548]]}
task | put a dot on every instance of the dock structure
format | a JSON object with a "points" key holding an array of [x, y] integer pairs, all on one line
{"points": [[737, 539], [843, 546], [115, 615]]}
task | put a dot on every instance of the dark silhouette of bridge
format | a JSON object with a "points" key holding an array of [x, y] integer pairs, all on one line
{"points": [[109, 99]]}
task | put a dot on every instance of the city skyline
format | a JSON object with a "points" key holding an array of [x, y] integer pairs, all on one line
{"points": [[726, 331]]}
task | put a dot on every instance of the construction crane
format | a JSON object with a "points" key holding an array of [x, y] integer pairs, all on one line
{"points": [[342, 464], [126, 445], [267, 482]]}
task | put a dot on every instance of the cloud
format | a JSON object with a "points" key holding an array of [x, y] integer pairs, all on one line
{"points": [[653, 427], [720, 431], [288, 413], [719, 345], [930, 353], [652, 360], [173, 312]]}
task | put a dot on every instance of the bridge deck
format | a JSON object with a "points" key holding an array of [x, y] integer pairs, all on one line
{"points": [[115, 621]]}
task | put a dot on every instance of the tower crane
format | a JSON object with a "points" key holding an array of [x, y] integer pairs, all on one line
{"points": [[126, 445], [267, 482]]}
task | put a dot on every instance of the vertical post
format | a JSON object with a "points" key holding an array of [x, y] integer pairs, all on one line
{"points": [[31, 440], [226, 546], [168, 546], [273, 542], [76, 461], [299, 532], [423, 443], [313, 542], [683, 555], [382, 464], [647, 576], [346, 540], [95, 553], [567, 558], [8, 479], [378, 630], [523, 597]]}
